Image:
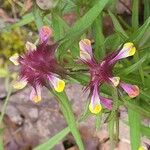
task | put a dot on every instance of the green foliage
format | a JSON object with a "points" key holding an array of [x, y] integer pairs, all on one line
{"points": [[89, 17]]}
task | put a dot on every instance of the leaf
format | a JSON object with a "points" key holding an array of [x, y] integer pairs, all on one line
{"points": [[37, 13], [69, 116], [26, 19], [133, 67], [134, 123], [86, 21], [138, 34], [117, 25], [145, 131], [135, 14], [54, 140]]}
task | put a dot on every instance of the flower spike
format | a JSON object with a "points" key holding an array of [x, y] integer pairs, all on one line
{"points": [[95, 106], [102, 72], [14, 59], [131, 90]]}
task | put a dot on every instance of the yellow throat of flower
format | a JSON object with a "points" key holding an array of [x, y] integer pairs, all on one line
{"points": [[131, 47], [36, 98], [97, 109], [60, 85]]}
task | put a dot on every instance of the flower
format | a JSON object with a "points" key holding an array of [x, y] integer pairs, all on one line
{"points": [[102, 72], [38, 66]]}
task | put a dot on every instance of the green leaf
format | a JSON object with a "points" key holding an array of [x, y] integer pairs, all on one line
{"points": [[86, 21], [69, 116], [37, 13], [117, 25], [134, 123], [26, 19], [133, 67], [53, 141], [138, 34], [135, 14], [145, 131], [146, 9]]}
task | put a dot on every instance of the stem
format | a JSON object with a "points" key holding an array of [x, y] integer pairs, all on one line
{"points": [[5, 105], [114, 123]]}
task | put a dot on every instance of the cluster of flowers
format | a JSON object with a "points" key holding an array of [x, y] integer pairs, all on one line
{"points": [[38, 66]]}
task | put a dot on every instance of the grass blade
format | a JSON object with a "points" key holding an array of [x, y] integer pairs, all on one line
{"points": [[54, 140], [69, 116], [134, 123], [117, 25]]}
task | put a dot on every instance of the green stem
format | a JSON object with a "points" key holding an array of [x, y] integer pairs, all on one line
{"points": [[69, 116], [114, 123], [5, 105]]}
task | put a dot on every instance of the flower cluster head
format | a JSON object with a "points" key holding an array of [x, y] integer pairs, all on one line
{"points": [[102, 72], [38, 66]]}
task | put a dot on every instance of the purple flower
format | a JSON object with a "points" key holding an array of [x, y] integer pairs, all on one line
{"points": [[39, 66], [102, 72]]}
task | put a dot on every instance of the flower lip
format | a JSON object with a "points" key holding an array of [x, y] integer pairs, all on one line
{"points": [[131, 90], [85, 50], [95, 106], [45, 33]]}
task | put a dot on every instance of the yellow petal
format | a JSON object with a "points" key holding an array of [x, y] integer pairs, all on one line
{"points": [[30, 46], [14, 59], [19, 84], [97, 108], [115, 81], [36, 98], [131, 48], [141, 148], [60, 85]]}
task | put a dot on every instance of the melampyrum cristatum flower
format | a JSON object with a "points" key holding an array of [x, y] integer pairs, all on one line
{"points": [[38, 66], [102, 72]]}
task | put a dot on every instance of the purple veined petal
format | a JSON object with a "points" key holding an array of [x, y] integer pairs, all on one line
{"points": [[106, 102], [57, 83], [127, 50], [95, 105], [45, 33], [35, 94], [85, 49], [131, 90]]}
